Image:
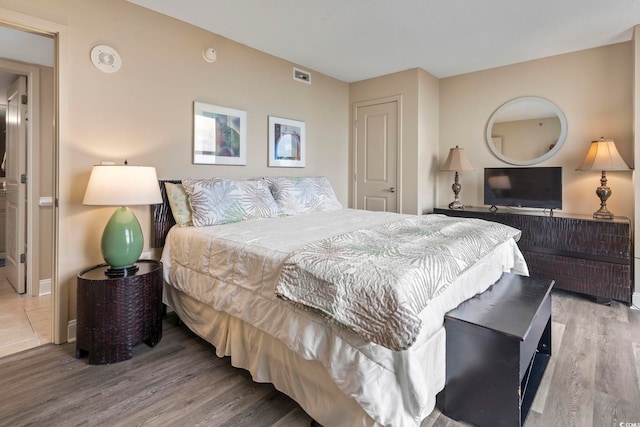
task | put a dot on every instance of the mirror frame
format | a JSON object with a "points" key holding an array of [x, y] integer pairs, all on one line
{"points": [[548, 154]]}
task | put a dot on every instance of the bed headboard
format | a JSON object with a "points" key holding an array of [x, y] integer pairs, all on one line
{"points": [[162, 216]]}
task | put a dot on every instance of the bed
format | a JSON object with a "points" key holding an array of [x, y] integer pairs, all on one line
{"points": [[237, 283]]}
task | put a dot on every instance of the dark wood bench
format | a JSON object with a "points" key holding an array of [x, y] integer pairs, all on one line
{"points": [[498, 347]]}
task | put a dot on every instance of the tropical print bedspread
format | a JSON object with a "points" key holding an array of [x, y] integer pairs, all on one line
{"points": [[376, 281]]}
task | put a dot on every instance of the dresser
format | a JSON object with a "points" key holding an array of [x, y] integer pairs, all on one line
{"points": [[581, 254]]}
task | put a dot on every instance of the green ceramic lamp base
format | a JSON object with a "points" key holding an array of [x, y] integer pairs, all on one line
{"points": [[122, 242]]}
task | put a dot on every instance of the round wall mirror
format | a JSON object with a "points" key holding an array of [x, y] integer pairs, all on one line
{"points": [[526, 130]]}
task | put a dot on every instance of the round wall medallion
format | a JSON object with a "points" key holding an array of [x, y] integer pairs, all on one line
{"points": [[106, 59]]}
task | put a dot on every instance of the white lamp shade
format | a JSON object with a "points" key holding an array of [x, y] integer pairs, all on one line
{"points": [[457, 161], [122, 186], [603, 156]]}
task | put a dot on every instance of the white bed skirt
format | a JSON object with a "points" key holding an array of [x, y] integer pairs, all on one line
{"points": [[269, 360]]}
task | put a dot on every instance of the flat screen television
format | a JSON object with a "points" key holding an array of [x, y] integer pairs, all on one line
{"points": [[530, 187]]}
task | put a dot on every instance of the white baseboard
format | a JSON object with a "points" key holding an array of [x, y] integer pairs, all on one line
{"points": [[45, 287], [71, 331], [635, 301]]}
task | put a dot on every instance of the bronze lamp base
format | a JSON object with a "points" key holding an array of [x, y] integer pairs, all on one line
{"points": [[456, 187], [603, 192]]}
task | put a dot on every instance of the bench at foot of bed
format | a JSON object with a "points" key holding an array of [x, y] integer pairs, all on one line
{"points": [[498, 347]]}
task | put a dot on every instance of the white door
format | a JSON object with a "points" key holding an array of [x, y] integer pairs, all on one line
{"points": [[16, 168], [376, 136]]}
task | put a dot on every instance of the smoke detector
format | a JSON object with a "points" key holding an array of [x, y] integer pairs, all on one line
{"points": [[209, 54]]}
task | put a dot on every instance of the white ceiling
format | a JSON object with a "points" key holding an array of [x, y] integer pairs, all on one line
{"points": [[26, 47], [353, 40], [22, 46]]}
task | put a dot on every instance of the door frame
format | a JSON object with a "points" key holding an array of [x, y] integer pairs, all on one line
{"points": [[29, 23], [32, 239], [398, 100]]}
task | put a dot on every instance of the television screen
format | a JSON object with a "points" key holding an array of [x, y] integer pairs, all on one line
{"points": [[529, 187]]}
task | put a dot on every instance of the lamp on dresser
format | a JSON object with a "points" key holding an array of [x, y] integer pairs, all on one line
{"points": [[456, 162], [603, 156], [123, 186]]}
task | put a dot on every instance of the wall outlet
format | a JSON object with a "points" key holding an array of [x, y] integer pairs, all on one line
{"points": [[45, 287], [145, 255]]}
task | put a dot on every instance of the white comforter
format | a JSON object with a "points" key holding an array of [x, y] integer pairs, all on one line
{"points": [[235, 267], [377, 280]]}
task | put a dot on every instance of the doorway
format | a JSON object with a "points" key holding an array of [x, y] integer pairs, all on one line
{"points": [[18, 127], [30, 56], [376, 153]]}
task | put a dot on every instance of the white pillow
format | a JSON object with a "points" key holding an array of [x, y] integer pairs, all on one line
{"points": [[297, 195], [220, 201], [179, 203]]}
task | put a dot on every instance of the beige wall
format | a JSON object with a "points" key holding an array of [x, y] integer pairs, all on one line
{"points": [[594, 90], [429, 135], [418, 126], [527, 139], [636, 177], [143, 113]]}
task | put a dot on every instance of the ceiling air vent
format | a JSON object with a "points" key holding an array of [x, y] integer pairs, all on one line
{"points": [[301, 76]]}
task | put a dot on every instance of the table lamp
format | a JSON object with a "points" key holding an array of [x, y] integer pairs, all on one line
{"points": [[603, 156], [456, 162], [122, 239]]}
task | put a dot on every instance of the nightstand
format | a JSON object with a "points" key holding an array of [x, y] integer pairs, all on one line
{"points": [[116, 313]]}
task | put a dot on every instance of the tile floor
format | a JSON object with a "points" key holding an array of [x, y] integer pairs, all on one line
{"points": [[25, 322]]}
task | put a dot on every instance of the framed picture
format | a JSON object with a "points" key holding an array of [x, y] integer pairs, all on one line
{"points": [[286, 143], [219, 135]]}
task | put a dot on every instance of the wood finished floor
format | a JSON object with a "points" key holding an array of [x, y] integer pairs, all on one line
{"points": [[591, 381]]}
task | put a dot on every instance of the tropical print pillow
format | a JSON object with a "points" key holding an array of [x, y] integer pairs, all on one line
{"points": [[298, 195], [221, 201], [179, 204]]}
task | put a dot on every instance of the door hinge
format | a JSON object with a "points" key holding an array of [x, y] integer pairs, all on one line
{"points": [[23, 258], [24, 99], [356, 124], [23, 178]]}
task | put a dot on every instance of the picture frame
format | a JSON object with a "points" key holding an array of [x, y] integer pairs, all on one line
{"points": [[287, 143], [219, 135]]}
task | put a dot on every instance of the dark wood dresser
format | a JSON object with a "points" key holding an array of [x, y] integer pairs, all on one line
{"points": [[582, 254]]}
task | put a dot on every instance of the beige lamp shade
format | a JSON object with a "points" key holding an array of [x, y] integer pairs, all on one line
{"points": [[603, 156], [122, 186], [457, 161]]}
